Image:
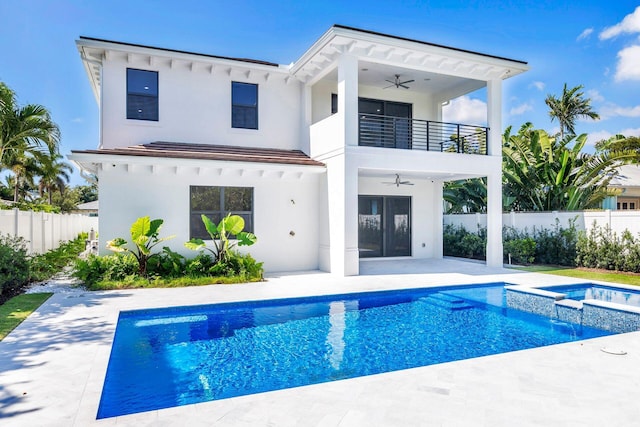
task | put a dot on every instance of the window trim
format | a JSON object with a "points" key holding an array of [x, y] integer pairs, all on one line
{"points": [[256, 107], [223, 212], [157, 96]]}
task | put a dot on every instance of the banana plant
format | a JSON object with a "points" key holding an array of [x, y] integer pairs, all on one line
{"points": [[144, 236], [222, 244]]}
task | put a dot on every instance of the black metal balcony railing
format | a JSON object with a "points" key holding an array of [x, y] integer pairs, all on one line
{"points": [[414, 134]]}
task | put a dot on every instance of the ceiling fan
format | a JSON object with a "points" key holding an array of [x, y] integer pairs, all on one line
{"points": [[398, 182], [397, 83]]}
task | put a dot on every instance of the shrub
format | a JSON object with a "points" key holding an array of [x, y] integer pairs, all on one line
{"points": [[14, 265], [46, 265], [518, 246], [457, 241], [96, 268], [602, 248]]}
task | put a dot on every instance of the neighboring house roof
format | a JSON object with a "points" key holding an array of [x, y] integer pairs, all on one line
{"points": [[89, 206], [178, 150], [628, 176]]}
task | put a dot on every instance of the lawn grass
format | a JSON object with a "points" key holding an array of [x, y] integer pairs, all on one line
{"points": [[138, 282], [18, 308], [585, 273]]}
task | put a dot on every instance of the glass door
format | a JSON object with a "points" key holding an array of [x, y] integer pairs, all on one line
{"points": [[384, 226], [370, 226]]}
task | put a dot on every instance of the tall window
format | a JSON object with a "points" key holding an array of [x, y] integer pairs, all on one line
{"points": [[142, 94], [244, 105], [216, 203]]}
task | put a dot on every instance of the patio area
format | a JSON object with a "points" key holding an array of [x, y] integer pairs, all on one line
{"points": [[53, 365]]}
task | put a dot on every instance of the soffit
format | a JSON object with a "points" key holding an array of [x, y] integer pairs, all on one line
{"points": [[379, 49]]}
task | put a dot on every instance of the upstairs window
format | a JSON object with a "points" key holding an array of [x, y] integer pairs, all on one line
{"points": [[142, 94], [216, 203], [244, 105]]}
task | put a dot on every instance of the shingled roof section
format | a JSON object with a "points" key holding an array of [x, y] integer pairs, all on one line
{"points": [[180, 150]]}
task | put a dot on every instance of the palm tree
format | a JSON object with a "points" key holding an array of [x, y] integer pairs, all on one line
{"points": [[570, 106], [25, 128], [24, 167], [54, 174]]}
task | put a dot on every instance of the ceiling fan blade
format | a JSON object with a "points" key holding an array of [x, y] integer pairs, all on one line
{"points": [[390, 81], [387, 87], [403, 86], [408, 81]]}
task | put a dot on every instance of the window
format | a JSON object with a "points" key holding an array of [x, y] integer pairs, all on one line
{"points": [[334, 103], [216, 203], [244, 105], [142, 94]]}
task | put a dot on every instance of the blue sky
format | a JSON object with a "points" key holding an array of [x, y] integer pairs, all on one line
{"points": [[588, 42]]}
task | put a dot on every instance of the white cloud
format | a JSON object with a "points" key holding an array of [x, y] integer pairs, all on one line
{"points": [[77, 120], [613, 110], [595, 95], [538, 85], [627, 67], [630, 24], [520, 109], [585, 34], [465, 110], [630, 132], [595, 137]]}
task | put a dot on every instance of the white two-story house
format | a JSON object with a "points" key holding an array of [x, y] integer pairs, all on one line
{"points": [[340, 156]]}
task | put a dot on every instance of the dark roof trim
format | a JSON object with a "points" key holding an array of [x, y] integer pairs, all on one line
{"points": [[181, 150], [251, 61], [344, 27]]}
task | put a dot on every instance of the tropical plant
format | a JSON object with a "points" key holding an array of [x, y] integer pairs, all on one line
{"points": [[221, 237], [545, 173], [54, 175], [465, 196], [621, 143], [144, 236], [570, 106]]}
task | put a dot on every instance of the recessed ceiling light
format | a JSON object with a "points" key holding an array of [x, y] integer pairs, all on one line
{"points": [[365, 69], [426, 80]]}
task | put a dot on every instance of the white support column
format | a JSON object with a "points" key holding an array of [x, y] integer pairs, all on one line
{"points": [[342, 177], [494, 220], [348, 97], [494, 117], [306, 118], [438, 225], [494, 180]]}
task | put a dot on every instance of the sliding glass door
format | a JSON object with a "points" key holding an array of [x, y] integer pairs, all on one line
{"points": [[384, 226]]}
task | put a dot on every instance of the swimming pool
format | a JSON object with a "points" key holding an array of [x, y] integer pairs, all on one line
{"points": [[585, 291], [176, 356]]}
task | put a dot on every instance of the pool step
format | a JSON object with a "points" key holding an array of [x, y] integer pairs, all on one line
{"points": [[446, 301]]}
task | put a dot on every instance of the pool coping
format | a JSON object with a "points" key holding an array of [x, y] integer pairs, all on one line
{"points": [[58, 357]]}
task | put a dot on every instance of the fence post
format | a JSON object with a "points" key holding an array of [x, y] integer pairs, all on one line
{"points": [[16, 211], [31, 232], [43, 245]]}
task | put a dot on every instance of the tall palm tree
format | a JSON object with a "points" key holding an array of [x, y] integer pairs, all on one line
{"points": [[24, 167], [26, 128], [54, 174], [570, 106]]}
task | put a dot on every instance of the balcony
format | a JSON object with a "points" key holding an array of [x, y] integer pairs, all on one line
{"points": [[415, 134]]}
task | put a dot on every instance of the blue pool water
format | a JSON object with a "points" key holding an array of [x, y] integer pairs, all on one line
{"points": [[176, 356], [598, 292]]}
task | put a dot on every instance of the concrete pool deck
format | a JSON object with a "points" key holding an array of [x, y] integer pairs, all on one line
{"points": [[53, 365]]}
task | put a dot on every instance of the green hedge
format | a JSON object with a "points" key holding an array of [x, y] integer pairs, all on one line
{"points": [[543, 246], [602, 248]]}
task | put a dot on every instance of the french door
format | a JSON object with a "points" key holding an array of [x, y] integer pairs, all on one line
{"points": [[384, 226]]}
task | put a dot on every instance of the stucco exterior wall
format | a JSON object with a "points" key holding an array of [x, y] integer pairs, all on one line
{"points": [[286, 209], [195, 106]]}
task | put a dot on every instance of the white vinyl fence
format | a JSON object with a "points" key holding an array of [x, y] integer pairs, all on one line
{"points": [[618, 221], [44, 231]]}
